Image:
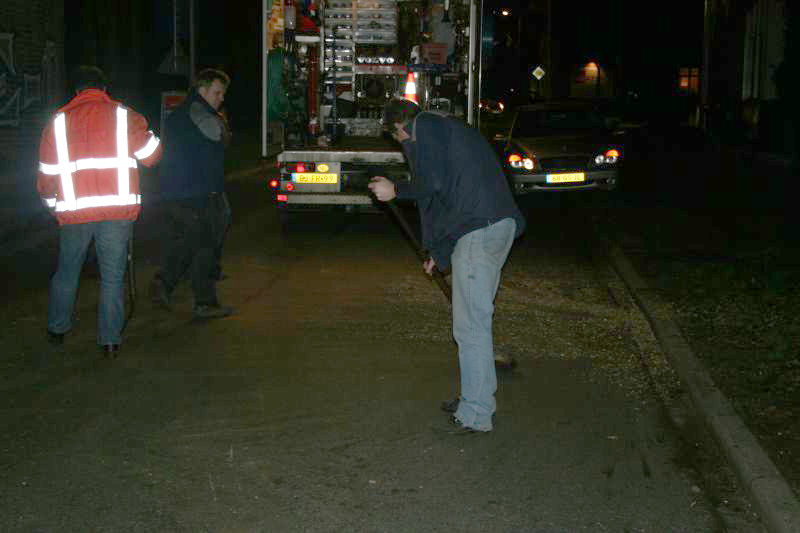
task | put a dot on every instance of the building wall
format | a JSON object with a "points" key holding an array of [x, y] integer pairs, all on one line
{"points": [[31, 77]]}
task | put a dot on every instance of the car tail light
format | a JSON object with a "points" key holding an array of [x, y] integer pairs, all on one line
{"points": [[290, 187], [273, 183]]}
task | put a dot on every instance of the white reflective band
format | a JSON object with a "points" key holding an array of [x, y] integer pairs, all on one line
{"points": [[123, 174], [148, 149], [67, 186], [98, 201], [105, 162], [98, 163], [122, 162], [46, 168]]}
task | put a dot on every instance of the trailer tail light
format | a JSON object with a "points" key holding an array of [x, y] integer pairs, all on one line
{"points": [[299, 167], [274, 183], [282, 197], [290, 186]]}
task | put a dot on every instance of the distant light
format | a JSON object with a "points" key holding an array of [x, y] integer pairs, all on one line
{"points": [[505, 12]]}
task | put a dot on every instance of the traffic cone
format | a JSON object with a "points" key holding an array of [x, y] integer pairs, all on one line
{"points": [[411, 88]]}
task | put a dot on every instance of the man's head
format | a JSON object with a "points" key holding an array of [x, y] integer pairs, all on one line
{"points": [[211, 84], [397, 113], [89, 77]]}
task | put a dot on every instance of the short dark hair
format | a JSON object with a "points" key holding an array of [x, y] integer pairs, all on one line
{"points": [[398, 110], [206, 77], [89, 77]]}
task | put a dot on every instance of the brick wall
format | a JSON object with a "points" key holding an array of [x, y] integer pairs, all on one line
{"points": [[31, 80]]}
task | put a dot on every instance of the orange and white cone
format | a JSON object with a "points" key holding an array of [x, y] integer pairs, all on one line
{"points": [[411, 88]]}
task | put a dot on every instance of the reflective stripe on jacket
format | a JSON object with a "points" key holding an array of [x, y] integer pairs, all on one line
{"points": [[88, 160]]}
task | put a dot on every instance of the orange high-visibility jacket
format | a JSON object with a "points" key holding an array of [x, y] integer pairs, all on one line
{"points": [[88, 160]]}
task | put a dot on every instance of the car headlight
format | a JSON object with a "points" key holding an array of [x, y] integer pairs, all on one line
{"points": [[519, 162], [609, 157]]}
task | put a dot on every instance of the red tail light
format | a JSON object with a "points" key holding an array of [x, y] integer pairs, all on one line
{"points": [[273, 183], [300, 167], [290, 186], [282, 198]]}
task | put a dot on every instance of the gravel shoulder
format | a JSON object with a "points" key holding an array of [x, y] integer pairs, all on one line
{"points": [[731, 281]]}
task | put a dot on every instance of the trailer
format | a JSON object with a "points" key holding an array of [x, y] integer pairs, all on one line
{"points": [[333, 65]]}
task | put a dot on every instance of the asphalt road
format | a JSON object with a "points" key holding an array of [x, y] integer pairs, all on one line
{"points": [[315, 407]]}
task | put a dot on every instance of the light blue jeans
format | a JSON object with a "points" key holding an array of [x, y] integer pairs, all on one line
{"points": [[111, 243], [477, 262]]}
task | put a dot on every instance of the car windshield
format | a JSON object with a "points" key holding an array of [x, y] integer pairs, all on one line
{"points": [[541, 122]]}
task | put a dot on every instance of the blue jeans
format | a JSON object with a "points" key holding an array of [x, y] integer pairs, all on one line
{"points": [[477, 261], [111, 243]]}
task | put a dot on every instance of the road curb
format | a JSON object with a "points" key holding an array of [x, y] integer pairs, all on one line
{"points": [[769, 491]]}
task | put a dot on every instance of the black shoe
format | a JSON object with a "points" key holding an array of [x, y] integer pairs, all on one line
{"points": [[159, 294], [212, 311], [504, 361], [56, 339], [458, 428], [110, 351], [449, 406]]}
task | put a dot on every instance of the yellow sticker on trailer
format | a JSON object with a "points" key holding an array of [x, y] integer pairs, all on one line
{"points": [[567, 177], [314, 177]]}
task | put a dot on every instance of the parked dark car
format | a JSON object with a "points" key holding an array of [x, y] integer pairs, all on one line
{"points": [[561, 146]]}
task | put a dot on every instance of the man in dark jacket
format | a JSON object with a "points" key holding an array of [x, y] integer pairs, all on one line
{"points": [[192, 188], [469, 221]]}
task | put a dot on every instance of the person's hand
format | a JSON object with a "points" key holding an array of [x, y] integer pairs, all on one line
{"points": [[429, 265], [226, 127], [382, 188]]}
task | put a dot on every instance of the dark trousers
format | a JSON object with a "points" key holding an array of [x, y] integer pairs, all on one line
{"points": [[192, 233], [225, 222]]}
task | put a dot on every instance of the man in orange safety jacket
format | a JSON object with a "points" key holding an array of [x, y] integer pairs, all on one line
{"points": [[88, 176]]}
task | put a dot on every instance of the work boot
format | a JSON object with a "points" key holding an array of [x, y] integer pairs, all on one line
{"points": [[504, 360], [450, 406], [56, 339], [110, 351], [159, 294], [212, 311]]}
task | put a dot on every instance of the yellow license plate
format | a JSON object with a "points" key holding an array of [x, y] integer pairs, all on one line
{"points": [[567, 177], [314, 177]]}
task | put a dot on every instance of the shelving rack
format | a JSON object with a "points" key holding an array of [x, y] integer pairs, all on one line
{"points": [[350, 27]]}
